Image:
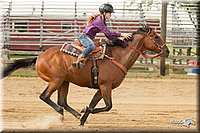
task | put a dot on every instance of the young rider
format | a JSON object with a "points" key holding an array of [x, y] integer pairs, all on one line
{"points": [[96, 24]]}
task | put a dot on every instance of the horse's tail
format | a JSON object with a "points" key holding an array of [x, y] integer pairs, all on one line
{"points": [[20, 63]]}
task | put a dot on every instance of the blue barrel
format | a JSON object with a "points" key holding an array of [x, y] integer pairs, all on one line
{"points": [[193, 71]]}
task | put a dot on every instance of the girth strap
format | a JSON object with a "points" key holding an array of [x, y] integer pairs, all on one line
{"points": [[94, 74], [117, 64]]}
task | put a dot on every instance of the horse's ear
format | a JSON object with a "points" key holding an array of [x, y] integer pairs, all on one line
{"points": [[143, 28], [143, 25]]}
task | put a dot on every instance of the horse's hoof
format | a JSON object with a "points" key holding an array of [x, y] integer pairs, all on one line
{"points": [[61, 117], [74, 64], [81, 126], [81, 65], [84, 109], [60, 111], [78, 117]]}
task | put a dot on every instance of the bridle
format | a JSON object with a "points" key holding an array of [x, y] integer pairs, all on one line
{"points": [[160, 47], [124, 69]]}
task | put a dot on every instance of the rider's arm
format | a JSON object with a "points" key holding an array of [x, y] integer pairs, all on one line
{"points": [[103, 28]]}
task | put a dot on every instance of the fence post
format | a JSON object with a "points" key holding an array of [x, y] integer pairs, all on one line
{"points": [[163, 35], [75, 20], [7, 28], [41, 27]]}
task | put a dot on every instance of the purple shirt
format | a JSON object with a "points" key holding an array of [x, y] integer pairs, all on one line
{"points": [[98, 25]]}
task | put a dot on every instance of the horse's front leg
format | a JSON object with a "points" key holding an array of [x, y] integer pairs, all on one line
{"points": [[106, 94], [96, 98]]}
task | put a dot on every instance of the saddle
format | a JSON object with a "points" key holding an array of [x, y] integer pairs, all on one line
{"points": [[98, 53], [75, 49]]}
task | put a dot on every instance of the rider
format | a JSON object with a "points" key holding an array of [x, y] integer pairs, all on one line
{"points": [[96, 23]]}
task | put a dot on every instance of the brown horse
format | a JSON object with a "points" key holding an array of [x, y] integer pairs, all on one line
{"points": [[55, 67]]}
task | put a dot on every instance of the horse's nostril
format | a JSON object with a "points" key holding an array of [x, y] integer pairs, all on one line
{"points": [[167, 51]]}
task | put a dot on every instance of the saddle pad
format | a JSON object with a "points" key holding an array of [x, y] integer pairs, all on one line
{"points": [[75, 50], [71, 49]]}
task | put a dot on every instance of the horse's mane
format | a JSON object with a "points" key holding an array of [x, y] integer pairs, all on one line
{"points": [[124, 44]]}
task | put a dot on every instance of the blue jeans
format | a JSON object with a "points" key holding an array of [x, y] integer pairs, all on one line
{"points": [[87, 43]]}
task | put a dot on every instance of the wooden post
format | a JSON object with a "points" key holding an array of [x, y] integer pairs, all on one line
{"points": [[189, 52], [163, 35]]}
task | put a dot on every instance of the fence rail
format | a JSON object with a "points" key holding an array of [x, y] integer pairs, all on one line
{"points": [[32, 25]]}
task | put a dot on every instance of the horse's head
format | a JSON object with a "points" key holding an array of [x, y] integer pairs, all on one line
{"points": [[151, 41]]}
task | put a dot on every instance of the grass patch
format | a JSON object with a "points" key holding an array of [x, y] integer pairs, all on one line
{"points": [[25, 72], [179, 71], [30, 72], [21, 56], [156, 76], [135, 72]]}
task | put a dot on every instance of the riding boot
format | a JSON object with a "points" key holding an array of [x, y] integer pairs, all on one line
{"points": [[78, 62]]}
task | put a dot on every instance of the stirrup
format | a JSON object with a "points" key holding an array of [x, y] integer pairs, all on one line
{"points": [[75, 64], [78, 64], [81, 65]]}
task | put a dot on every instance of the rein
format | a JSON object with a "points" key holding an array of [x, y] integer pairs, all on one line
{"points": [[124, 69], [144, 55], [141, 53]]}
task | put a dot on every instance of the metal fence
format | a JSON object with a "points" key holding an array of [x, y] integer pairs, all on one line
{"points": [[36, 25], [53, 23], [182, 31]]}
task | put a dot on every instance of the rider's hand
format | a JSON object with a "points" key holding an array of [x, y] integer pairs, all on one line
{"points": [[126, 35]]}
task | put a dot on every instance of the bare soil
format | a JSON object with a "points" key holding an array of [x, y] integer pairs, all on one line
{"points": [[138, 104]]}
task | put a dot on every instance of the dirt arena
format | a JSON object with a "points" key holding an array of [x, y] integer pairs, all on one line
{"points": [[138, 104]]}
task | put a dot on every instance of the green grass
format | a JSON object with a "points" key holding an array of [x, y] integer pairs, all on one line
{"points": [[25, 72], [31, 72], [179, 71], [135, 73], [21, 56]]}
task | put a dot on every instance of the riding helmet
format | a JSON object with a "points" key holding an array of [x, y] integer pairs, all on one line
{"points": [[106, 8]]}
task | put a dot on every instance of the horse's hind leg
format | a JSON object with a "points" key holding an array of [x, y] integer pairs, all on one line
{"points": [[45, 96], [62, 99]]}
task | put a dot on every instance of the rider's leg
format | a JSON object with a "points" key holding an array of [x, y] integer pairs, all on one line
{"points": [[89, 46], [80, 58]]}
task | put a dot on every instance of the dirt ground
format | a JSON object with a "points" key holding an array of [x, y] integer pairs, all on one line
{"points": [[138, 104]]}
